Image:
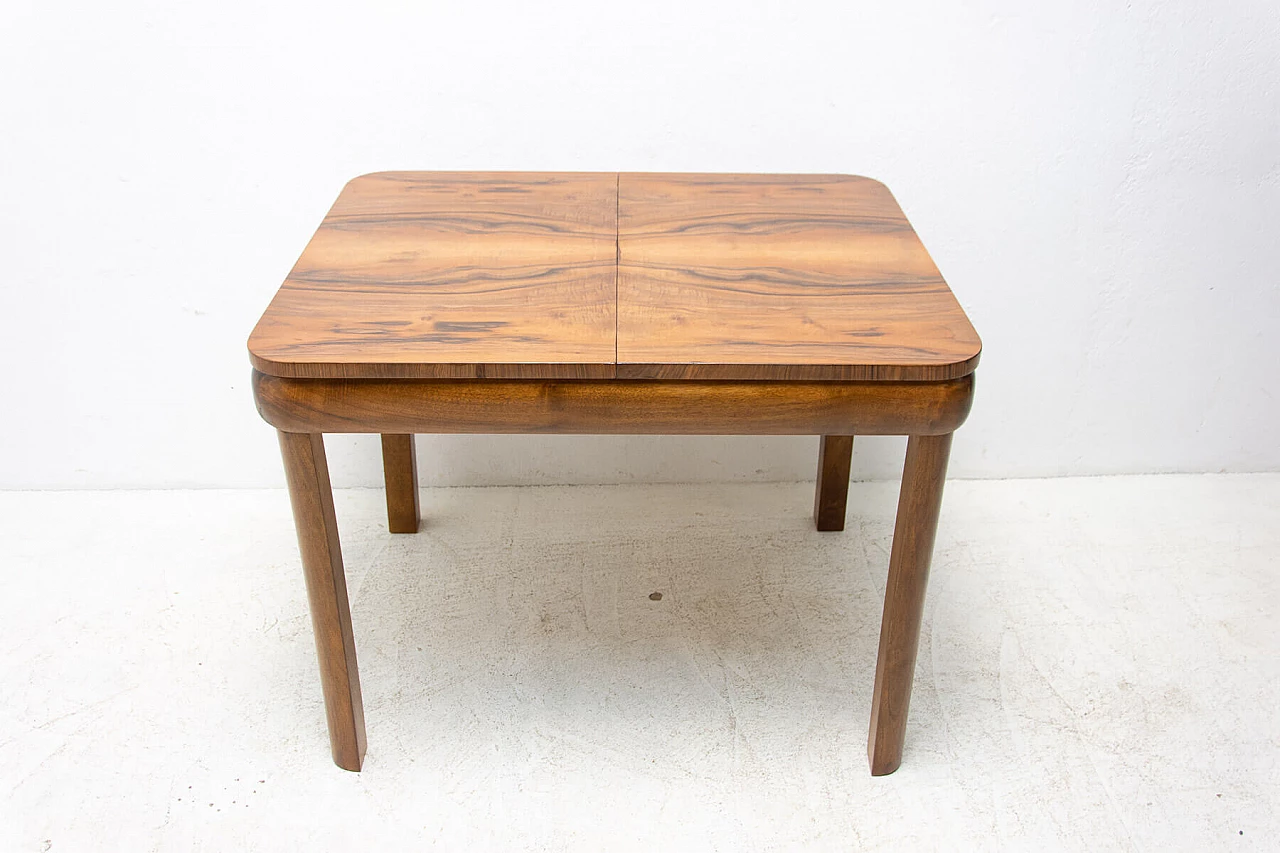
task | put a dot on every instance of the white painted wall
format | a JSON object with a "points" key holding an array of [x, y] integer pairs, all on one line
{"points": [[1100, 183]]}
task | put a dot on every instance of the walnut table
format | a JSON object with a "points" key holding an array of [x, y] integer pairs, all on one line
{"points": [[615, 303]]}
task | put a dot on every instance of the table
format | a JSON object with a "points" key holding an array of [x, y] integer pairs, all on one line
{"points": [[603, 303]]}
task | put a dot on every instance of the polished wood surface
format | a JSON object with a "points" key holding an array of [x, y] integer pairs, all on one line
{"points": [[452, 275], [779, 277], [831, 493], [615, 304], [400, 473], [919, 503], [612, 407], [597, 275], [307, 473]]}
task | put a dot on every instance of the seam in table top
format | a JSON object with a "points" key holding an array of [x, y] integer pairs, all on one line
{"points": [[617, 263]]}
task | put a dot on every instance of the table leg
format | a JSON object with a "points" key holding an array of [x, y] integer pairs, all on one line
{"points": [[400, 472], [919, 502], [832, 492], [312, 497]]}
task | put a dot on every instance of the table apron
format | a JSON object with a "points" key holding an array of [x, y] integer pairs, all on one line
{"points": [[622, 407]]}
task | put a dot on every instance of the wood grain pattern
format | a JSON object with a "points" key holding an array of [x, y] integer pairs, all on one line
{"points": [[919, 503], [513, 303], [779, 277], [604, 407], [307, 473], [452, 275], [400, 473], [831, 492]]}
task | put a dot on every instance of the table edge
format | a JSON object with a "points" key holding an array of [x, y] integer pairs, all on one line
{"points": [[620, 370], [612, 407]]}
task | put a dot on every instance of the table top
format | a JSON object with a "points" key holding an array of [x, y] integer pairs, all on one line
{"points": [[603, 275]]}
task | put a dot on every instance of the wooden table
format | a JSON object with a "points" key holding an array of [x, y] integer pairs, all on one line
{"points": [[615, 303]]}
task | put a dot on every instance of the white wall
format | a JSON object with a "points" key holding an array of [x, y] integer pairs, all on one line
{"points": [[1100, 183]]}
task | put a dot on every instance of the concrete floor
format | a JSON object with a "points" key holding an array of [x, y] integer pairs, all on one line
{"points": [[1100, 669]]}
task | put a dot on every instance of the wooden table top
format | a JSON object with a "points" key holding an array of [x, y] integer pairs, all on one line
{"points": [[600, 275]]}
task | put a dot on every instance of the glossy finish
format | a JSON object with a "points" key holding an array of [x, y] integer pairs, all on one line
{"points": [[920, 501], [615, 304], [307, 473], [835, 453], [472, 275], [452, 275], [779, 277]]}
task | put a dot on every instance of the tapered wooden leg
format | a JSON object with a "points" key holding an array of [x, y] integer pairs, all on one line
{"points": [[832, 492], [312, 497], [400, 471], [923, 476]]}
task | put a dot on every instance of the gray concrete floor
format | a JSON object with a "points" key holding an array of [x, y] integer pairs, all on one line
{"points": [[1099, 669]]}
